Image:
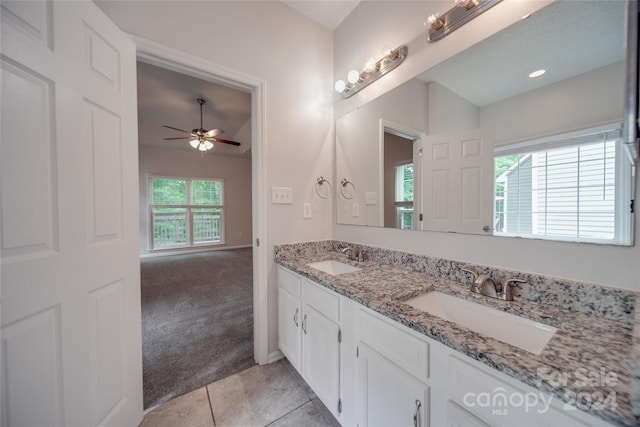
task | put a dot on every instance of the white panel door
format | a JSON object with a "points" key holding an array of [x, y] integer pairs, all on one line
{"points": [[457, 182], [71, 346]]}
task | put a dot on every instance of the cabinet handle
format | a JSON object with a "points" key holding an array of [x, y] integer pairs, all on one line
{"points": [[295, 318], [416, 413], [304, 324]]}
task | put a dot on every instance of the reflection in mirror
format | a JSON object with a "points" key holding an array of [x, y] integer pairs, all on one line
{"points": [[477, 145]]}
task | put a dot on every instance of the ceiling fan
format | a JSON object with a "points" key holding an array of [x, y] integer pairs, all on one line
{"points": [[200, 138]]}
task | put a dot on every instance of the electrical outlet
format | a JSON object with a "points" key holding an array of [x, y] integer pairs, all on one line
{"points": [[370, 198], [306, 210], [281, 195], [355, 210]]}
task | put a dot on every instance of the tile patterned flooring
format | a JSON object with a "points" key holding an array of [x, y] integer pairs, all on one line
{"points": [[270, 395]]}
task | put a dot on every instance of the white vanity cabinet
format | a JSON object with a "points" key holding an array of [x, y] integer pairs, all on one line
{"points": [[309, 334], [384, 373]]}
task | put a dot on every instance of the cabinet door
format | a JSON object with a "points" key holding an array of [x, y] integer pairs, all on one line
{"points": [[289, 321], [388, 395], [458, 417], [321, 356]]}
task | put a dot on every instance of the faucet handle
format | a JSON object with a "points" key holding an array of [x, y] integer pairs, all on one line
{"points": [[475, 286], [475, 275]]}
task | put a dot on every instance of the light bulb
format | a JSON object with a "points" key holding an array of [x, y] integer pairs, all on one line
{"points": [[340, 86], [202, 147], [208, 145], [194, 143], [353, 76], [432, 18], [370, 65]]}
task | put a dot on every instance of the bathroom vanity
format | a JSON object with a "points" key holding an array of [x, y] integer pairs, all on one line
{"points": [[374, 359]]}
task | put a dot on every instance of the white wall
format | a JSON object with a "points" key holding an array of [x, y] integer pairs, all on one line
{"points": [[449, 112], [396, 23], [598, 93], [235, 171], [359, 150], [293, 54]]}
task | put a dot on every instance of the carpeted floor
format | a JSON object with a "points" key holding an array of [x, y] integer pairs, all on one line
{"points": [[197, 321]]}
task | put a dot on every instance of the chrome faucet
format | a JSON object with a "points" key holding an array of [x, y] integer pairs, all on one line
{"points": [[485, 285]]}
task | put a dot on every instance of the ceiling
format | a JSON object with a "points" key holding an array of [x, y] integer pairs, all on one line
{"points": [[169, 98], [166, 97], [566, 38], [329, 13]]}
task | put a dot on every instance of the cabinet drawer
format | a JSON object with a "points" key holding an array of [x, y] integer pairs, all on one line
{"points": [[404, 349], [323, 300], [289, 281], [504, 402]]}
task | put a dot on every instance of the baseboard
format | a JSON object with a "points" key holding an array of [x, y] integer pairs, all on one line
{"points": [[274, 356], [190, 251]]}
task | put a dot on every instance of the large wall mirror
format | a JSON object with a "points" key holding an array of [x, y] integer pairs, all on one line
{"points": [[519, 135]]}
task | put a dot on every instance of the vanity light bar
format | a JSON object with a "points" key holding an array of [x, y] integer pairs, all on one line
{"points": [[372, 72], [463, 12]]}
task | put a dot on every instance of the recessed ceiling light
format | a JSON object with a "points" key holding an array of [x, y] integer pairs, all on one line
{"points": [[537, 73]]}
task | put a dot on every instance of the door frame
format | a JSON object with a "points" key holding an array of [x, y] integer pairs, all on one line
{"points": [[166, 57]]}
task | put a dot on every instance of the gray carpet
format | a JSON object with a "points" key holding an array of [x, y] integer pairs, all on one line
{"points": [[197, 321]]}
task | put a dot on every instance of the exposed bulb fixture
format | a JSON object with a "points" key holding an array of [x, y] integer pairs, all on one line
{"points": [[537, 73], [463, 12], [372, 71], [353, 76], [370, 65], [194, 143]]}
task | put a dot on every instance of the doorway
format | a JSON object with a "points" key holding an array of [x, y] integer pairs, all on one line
{"points": [[161, 56]]}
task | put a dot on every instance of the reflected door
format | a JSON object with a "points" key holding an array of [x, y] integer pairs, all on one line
{"points": [[457, 182]]}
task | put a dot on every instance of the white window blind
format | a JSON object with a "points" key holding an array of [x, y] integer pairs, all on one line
{"points": [[563, 188]]}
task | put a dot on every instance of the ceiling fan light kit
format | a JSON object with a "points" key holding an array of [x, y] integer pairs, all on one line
{"points": [[200, 138]]}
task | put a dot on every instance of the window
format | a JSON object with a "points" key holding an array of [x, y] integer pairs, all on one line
{"points": [[185, 212], [404, 196], [562, 188]]}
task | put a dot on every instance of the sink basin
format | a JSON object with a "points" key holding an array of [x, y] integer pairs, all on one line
{"points": [[515, 330], [334, 267]]}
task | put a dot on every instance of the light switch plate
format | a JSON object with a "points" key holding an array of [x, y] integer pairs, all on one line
{"points": [[306, 210], [355, 210], [370, 198], [281, 195]]}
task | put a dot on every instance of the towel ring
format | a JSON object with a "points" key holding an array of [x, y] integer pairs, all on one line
{"points": [[319, 183], [344, 184]]}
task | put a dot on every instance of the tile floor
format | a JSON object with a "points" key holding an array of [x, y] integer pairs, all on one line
{"points": [[271, 395]]}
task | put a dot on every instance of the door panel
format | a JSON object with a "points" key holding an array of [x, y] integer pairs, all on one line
{"points": [[387, 395], [70, 270], [457, 182], [321, 356]]}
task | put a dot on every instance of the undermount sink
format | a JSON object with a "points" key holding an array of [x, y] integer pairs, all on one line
{"points": [[515, 330], [333, 267]]}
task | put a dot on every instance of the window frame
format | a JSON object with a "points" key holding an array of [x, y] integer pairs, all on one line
{"points": [[399, 205], [623, 221], [189, 207]]}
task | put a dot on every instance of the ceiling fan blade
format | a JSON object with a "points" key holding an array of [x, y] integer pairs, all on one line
{"points": [[214, 132], [179, 137], [224, 141], [171, 127]]}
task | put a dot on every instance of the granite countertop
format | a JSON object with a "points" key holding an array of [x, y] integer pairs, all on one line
{"points": [[585, 345]]}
